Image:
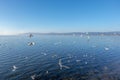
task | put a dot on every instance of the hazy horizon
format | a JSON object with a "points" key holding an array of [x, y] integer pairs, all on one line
{"points": [[17, 33]]}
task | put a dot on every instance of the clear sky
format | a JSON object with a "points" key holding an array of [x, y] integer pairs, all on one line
{"points": [[17, 16]]}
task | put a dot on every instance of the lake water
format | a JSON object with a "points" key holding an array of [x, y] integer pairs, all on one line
{"points": [[60, 57]]}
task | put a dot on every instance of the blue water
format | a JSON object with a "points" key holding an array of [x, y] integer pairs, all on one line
{"points": [[87, 59]]}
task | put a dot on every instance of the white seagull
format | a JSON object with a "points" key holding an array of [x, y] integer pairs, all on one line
{"points": [[61, 66]]}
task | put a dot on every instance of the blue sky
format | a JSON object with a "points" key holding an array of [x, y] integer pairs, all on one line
{"points": [[17, 16]]}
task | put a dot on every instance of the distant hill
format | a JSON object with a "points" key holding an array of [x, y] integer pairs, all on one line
{"points": [[78, 33]]}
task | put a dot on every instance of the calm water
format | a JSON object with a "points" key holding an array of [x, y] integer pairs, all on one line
{"points": [[60, 58]]}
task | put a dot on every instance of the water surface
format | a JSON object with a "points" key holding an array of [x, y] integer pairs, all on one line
{"points": [[97, 58]]}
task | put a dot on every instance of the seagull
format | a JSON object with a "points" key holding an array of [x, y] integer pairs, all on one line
{"points": [[31, 43], [26, 57], [44, 53], [14, 68], [33, 77], [86, 62], [30, 35], [78, 60], [46, 72], [106, 48], [61, 66]]}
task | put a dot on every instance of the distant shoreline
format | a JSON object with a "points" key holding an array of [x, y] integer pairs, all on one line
{"points": [[76, 33], [69, 33]]}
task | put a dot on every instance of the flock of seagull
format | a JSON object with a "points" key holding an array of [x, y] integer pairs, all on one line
{"points": [[31, 43], [61, 66]]}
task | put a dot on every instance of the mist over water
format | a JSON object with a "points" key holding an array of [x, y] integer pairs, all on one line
{"points": [[54, 57]]}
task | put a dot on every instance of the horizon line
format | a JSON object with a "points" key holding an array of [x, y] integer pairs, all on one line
{"points": [[56, 32]]}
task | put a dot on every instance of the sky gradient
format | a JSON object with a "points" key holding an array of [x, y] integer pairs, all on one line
{"points": [[19, 16]]}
